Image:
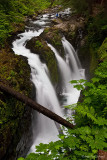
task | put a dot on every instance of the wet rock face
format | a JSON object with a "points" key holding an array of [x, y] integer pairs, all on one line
{"points": [[39, 46], [25, 140]]}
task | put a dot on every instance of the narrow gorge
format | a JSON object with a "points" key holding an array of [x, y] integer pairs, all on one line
{"points": [[51, 73], [53, 61]]}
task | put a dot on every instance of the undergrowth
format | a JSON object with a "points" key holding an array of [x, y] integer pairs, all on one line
{"points": [[13, 13]]}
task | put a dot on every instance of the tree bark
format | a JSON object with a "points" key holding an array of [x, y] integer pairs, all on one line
{"points": [[102, 155], [35, 106]]}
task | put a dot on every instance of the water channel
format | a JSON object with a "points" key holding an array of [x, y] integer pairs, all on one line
{"points": [[44, 129]]}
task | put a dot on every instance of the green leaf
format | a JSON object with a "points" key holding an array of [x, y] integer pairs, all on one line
{"points": [[21, 158], [79, 87], [74, 81]]}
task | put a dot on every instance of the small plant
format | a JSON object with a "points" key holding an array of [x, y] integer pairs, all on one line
{"points": [[38, 44]]}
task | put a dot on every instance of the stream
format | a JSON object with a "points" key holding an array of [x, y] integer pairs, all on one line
{"points": [[44, 129]]}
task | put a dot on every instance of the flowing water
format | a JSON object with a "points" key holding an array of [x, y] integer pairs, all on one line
{"points": [[44, 129]]}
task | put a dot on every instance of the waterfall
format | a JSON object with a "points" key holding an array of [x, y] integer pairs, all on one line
{"points": [[66, 74], [71, 56], [70, 94], [45, 93], [44, 129]]}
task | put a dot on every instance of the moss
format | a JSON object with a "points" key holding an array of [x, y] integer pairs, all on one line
{"points": [[15, 72], [46, 30], [50, 60], [102, 52], [72, 34], [98, 54], [54, 36], [46, 56], [38, 44], [18, 27], [94, 60]]}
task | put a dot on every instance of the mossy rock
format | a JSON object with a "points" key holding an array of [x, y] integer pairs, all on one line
{"points": [[39, 46], [15, 72], [98, 55], [54, 36], [12, 71], [94, 61]]}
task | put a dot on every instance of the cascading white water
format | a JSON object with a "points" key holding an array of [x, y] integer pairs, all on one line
{"points": [[71, 49], [45, 93], [44, 129], [71, 94], [71, 56], [66, 74]]}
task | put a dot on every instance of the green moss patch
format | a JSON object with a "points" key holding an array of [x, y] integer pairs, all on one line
{"points": [[15, 72], [54, 36], [103, 50], [39, 46]]}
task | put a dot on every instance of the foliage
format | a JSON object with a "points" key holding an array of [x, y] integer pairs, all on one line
{"points": [[103, 50], [90, 133], [97, 30], [38, 44], [81, 8], [12, 14], [15, 72], [42, 4], [94, 35]]}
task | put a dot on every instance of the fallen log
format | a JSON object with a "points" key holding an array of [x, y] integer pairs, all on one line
{"points": [[102, 155], [35, 106]]}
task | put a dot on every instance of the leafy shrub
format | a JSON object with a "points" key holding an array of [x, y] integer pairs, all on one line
{"points": [[90, 133], [13, 12]]}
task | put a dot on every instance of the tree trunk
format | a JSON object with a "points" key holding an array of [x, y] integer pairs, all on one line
{"points": [[35, 106]]}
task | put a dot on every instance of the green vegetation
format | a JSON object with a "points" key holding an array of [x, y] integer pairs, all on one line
{"points": [[90, 132], [13, 12], [14, 72], [39, 46], [76, 5], [53, 36], [85, 7]]}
